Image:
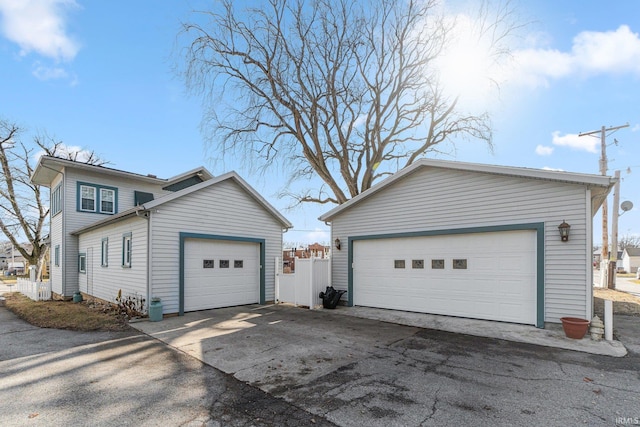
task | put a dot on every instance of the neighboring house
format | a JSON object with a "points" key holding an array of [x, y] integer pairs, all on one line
{"points": [[470, 240], [196, 241], [631, 259], [597, 256], [315, 250]]}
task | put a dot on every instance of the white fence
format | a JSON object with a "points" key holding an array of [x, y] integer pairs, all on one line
{"points": [[37, 291], [312, 276]]}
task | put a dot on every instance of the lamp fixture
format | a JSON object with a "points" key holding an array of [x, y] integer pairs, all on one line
{"points": [[337, 243], [564, 231]]}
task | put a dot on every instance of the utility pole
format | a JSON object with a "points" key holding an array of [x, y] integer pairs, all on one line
{"points": [[605, 258]]}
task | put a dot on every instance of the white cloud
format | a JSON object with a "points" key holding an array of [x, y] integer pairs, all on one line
{"points": [[635, 128], [592, 53], [547, 168], [543, 150], [39, 26], [42, 72], [67, 151], [317, 236], [572, 140]]}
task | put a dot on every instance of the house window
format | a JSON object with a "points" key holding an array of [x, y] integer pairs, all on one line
{"points": [[82, 263], [87, 198], [107, 201], [56, 200], [126, 250], [56, 256], [97, 198], [104, 258]]}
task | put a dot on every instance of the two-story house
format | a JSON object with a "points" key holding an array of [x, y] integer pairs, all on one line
{"points": [[196, 241]]}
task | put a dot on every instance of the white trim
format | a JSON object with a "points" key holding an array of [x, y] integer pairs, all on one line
{"points": [[589, 255]]}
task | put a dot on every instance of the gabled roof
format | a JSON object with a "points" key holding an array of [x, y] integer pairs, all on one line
{"points": [[599, 184], [632, 251], [192, 189], [48, 167]]}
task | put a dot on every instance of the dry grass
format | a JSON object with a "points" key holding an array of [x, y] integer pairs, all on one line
{"points": [[623, 303], [84, 316]]}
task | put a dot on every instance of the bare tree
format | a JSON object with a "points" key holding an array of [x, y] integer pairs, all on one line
{"points": [[628, 241], [23, 206], [342, 90]]}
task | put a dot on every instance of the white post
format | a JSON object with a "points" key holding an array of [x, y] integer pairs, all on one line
{"points": [[32, 273], [277, 290], [613, 254], [311, 282], [608, 320]]}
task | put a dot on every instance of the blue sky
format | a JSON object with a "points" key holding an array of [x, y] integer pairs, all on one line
{"points": [[99, 75]]}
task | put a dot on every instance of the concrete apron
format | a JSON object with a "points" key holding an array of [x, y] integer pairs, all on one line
{"points": [[274, 344], [267, 346]]}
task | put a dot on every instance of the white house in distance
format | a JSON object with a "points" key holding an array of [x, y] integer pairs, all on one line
{"points": [[470, 240], [631, 259], [196, 241]]}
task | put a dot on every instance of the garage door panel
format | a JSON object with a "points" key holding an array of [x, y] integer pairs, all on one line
{"points": [[220, 285], [498, 283]]}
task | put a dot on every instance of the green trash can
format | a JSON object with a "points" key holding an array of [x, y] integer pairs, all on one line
{"points": [[155, 310], [77, 297]]}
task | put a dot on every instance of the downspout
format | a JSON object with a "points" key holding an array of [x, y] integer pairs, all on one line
{"points": [[147, 215], [63, 236]]}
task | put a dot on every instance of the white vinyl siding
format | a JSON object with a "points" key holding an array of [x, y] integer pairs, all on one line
{"points": [[444, 199], [105, 282], [236, 214]]}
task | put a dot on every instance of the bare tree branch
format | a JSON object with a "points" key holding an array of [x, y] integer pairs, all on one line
{"points": [[340, 90]]}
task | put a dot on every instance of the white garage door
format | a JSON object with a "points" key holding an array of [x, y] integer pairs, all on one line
{"points": [[220, 273], [479, 275]]}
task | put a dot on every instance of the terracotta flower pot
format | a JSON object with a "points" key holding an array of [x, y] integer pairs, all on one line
{"points": [[574, 327]]}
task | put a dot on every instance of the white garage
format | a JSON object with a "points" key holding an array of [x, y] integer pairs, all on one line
{"points": [[481, 275], [220, 273], [470, 240]]}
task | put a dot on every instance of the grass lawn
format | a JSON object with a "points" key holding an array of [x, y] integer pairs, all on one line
{"points": [[83, 316]]}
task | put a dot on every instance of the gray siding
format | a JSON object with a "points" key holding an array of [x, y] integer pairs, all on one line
{"points": [[441, 199], [74, 220], [55, 235], [221, 209], [105, 282]]}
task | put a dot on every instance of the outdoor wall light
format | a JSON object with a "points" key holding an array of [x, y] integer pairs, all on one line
{"points": [[337, 243], [564, 231]]}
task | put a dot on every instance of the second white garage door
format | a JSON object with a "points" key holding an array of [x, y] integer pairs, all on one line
{"points": [[479, 275], [220, 273]]}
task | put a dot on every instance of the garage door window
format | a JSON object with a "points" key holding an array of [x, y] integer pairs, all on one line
{"points": [[207, 263], [224, 263], [437, 264], [238, 263], [399, 263], [417, 263], [459, 264]]}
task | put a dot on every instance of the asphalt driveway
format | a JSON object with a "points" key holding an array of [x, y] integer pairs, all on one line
{"points": [[51, 377], [355, 371]]}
